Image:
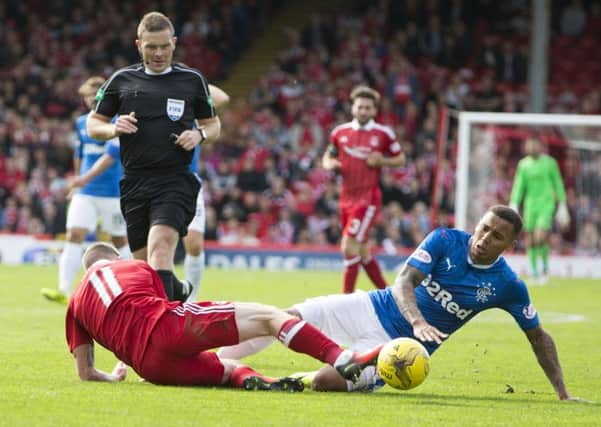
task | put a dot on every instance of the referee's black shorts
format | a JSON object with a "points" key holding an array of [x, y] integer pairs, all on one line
{"points": [[160, 199]]}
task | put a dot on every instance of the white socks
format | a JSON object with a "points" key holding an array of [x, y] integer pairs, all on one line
{"points": [[245, 348], [368, 381], [68, 266], [193, 269]]}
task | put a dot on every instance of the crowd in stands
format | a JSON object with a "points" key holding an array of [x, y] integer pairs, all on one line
{"points": [[263, 182], [48, 48]]}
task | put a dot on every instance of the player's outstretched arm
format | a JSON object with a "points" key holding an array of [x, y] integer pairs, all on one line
{"points": [[219, 96], [403, 292], [84, 363], [517, 189], [546, 354], [100, 165]]}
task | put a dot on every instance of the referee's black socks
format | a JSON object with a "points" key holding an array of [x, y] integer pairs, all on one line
{"points": [[167, 277], [175, 289], [181, 289]]}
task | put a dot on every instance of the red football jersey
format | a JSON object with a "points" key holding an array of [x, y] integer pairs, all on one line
{"points": [[117, 304], [354, 143]]}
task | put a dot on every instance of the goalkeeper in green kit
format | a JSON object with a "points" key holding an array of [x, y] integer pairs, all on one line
{"points": [[538, 182]]}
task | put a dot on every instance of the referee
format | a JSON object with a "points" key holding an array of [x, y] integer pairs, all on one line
{"points": [[158, 104]]}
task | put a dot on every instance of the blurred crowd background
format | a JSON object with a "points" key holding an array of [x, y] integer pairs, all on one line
{"points": [[263, 181]]}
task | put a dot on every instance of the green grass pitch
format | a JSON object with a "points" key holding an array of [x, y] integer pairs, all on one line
{"points": [[468, 383]]}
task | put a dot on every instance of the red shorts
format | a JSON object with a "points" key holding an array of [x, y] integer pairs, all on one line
{"points": [[176, 352], [357, 220]]}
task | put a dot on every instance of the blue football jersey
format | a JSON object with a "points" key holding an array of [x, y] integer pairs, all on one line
{"points": [[455, 289], [194, 164], [89, 150]]}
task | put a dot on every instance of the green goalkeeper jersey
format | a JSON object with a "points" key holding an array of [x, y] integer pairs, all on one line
{"points": [[538, 181]]}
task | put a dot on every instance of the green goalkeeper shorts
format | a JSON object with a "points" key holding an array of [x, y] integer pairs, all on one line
{"points": [[538, 217]]}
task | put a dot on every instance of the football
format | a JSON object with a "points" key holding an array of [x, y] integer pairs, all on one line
{"points": [[403, 363]]}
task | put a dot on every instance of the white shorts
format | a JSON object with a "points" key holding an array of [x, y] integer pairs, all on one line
{"points": [[86, 211], [348, 319], [198, 222]]}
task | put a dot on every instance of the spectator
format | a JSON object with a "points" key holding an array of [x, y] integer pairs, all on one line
{"points": [[573, 19], [487, 97], [250, 178], [223, 178], [511, 66], [229, 232], [489, 54], [431, 39], [263, 95], [311, 79], [10, 215], [402, 84], [588, 240], [211, 225], [306, 135], [283, 229], [456, 91]]}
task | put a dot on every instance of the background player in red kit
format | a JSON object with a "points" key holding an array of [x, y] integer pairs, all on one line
{"points": [[359, 149], [122, 305]]}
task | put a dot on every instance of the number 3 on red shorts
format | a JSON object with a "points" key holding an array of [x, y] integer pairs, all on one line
{"points": [[354, 227]]}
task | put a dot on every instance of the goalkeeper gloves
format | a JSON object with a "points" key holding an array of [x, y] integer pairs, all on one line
{"points": [[562, 216]]}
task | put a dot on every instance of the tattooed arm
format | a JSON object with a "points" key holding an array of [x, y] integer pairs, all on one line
{"points": [[546, 354], [84, 362], [403, 292]]}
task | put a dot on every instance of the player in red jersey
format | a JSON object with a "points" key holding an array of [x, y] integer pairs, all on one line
{"points": [[123, 306], [359, 149]]}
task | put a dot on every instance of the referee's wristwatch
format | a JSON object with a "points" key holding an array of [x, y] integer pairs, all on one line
{"points": [[203, 134]]}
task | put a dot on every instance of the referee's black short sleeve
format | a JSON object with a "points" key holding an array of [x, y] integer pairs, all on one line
{"points": [[108, 99], [203, 105]]}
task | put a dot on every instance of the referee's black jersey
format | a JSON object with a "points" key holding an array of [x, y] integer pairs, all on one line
{"points": [[164, 104]]}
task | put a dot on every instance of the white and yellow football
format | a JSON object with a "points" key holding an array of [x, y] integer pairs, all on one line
{"points": [[403, 363]]}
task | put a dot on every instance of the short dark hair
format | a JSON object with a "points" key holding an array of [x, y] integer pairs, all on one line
{"points": [[509, 215], [154, 22], [363, 91], [98, 251], [91, 85]]}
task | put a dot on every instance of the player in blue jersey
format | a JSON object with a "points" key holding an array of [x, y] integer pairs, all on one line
{"points": [[194, 262], [449, 278], [194, 241], [97, 201]]}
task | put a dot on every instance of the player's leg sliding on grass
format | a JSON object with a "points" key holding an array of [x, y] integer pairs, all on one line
{"points": [[166, 342], [441, 281], [175, 354], [354, 325], [258, 320]]}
